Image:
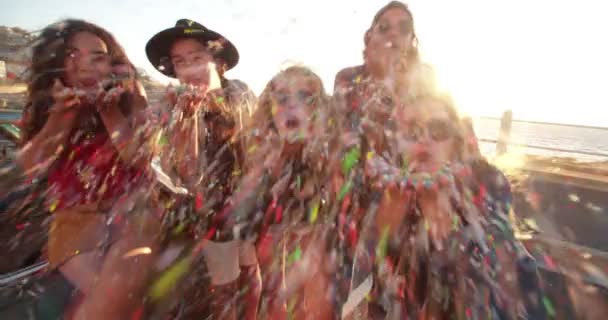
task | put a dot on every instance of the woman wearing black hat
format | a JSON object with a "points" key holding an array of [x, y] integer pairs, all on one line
{"points": [[206, 110]]}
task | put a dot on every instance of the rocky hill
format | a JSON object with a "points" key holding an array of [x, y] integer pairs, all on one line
{"points": [[14, 51]]}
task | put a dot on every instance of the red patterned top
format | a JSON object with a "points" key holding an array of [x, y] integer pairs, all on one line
{"points": [[89, 171]]}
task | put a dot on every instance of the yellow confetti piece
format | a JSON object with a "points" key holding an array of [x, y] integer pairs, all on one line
{"points": [[53, 205], [382, 245], [314, 212], [137, 252], [179, 229], [387, 194], [370, 155]]}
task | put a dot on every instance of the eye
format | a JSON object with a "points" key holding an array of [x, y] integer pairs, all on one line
{"points": [[178, 62], [414, 131], [404, 27], [439, 130], [72, 54], [383, 27], [100, 58], [388, 101], [306, 97], [281, 98]]}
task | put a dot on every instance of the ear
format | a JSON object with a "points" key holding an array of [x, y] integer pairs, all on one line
{"points": [[367, 36], [221, 66]]}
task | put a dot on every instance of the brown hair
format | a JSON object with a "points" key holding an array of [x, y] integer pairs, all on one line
{"points": [[48, 56], [413, 55]]}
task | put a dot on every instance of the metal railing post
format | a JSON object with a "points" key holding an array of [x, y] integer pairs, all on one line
{"points": [[505, 132]]}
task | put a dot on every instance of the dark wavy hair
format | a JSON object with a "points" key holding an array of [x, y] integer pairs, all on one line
{"points": [[48, 57], [412, 55]]}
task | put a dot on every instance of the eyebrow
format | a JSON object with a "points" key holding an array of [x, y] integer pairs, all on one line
{"points": [[97, 51], [189, 53]]}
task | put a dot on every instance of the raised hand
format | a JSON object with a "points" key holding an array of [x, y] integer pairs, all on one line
{"points": [[65, 98], [188, 99], [109, 99]]}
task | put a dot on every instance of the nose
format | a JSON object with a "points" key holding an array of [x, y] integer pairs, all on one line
{"points": [[291, 105], [424, 138], [393, 34]]}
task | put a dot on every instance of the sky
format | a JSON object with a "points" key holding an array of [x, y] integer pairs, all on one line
{"points": [[546, 60]]}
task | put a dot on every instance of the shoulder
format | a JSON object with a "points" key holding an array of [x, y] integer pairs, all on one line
{"points": [[347, 75], [495, 182], [236, 86], [238, 90]]}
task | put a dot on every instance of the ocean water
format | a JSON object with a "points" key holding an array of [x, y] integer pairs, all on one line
{"points": [[586, 139]]}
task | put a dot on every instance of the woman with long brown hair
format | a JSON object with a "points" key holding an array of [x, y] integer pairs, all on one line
{"points": [[84, 113], [391, 63]]}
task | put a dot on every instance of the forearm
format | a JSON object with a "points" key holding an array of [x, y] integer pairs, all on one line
{"points": [[185, 141], [128, 141], [46, 146]]}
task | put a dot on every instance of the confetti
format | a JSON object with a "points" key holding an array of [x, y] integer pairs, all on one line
{"points": [[137, 252], [168, 280]]}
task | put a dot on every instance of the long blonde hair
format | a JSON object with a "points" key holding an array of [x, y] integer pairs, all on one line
{"points": [[260, 130]]}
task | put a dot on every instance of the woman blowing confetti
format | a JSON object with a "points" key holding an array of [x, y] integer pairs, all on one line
{"points": [[84, 112]]}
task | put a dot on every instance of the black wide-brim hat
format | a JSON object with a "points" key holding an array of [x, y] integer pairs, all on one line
{"points": [[158, 48]]}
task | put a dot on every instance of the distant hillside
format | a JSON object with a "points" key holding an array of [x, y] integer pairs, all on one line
{"points": [[14, 50]]}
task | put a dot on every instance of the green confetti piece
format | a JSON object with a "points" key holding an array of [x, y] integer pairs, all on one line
{"points": [[405, 166], [549, 306], [350, 159], [314, 213], [455, 222], [163, 140], [382, 245], [169, 279], [179, 229], [299, 182], [344, 190], [503, 228], [295, 255]]}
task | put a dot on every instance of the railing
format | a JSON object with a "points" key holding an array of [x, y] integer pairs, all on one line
{"points": [[504, 135], [502, 143], [523, 145]]}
